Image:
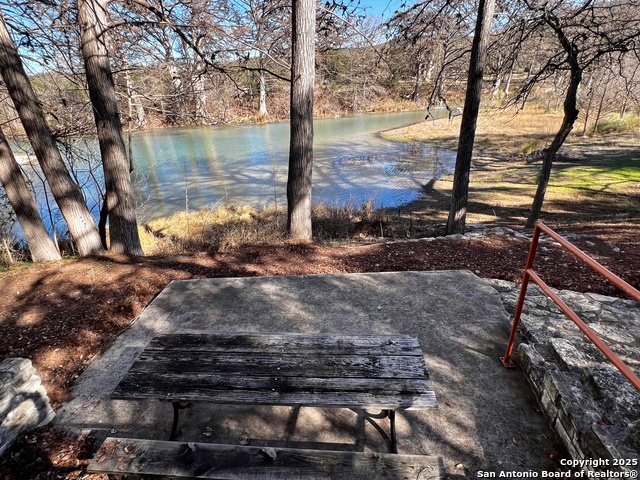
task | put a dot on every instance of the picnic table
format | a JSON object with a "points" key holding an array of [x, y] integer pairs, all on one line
{"points": [[359, 372]]}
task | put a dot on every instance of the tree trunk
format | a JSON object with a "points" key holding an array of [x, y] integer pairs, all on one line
{"points": [[177, 109], [415, 95], [134, 101], [459, 198], [301, 120], [262, 111], [599, 113], [430, 70], [123, 227], [200, 96], [67, 194], [570, 116], [40, 244], [507, 86], [587, 113], [496, 86]]}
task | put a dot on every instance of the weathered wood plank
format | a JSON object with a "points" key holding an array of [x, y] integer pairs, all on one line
{"points": [[282, 369], [226, 382], [355, 393], [184, 393], [259, 364], [290, 343], [229, 462]]}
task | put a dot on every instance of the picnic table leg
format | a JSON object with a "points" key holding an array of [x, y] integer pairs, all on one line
{"points": [[392, 427], [177, 406], [390, 440]]}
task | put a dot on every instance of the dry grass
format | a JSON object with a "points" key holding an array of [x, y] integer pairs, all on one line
{"points": [[500, 130], [597, 180], [212, 230], [228, 227]]}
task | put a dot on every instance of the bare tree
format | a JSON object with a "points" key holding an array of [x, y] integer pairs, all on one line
{"points": [[586, 32], [21, 199], [123, 227], [430, 38], [301, 120], [67, 194], [261, 28], [459, 197]]}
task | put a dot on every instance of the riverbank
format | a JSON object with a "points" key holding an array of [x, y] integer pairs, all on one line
{"points": [[595, 180]]}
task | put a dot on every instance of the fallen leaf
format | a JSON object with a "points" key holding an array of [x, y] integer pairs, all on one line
{"points": [[514, 440]]}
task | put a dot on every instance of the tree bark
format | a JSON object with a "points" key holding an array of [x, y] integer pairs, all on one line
{"points": [[570, 116], [200, 96], [123, 226], [458, 212], [415, 95], [67, 194], [40, 244], [262, 110], [301, 120], [587, 113]]}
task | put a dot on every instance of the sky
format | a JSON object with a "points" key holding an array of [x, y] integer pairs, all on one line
{"points": [[386, 8]]}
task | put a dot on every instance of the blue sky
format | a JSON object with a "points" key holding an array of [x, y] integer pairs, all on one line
{"points": [[383, 7]]}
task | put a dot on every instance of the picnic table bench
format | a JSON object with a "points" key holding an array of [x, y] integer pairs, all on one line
{"points": [[385, 372]]}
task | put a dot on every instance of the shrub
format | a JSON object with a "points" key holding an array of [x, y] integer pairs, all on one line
{"points": [[614, 123]]}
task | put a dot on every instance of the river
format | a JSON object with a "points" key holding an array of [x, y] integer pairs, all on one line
{"points": [[208, 167]]}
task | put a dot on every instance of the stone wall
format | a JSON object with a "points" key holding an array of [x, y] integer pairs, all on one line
{"points": [[592, 407], [24, 404]]}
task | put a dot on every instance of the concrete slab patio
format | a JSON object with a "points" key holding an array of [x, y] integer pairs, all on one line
{"points": [[487, 418]]}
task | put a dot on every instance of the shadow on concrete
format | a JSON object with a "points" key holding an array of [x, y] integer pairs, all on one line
{"points": [[487, 417]]}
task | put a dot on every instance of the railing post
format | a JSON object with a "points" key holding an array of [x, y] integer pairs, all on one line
{"points": [[530, 274], [506, 360]]}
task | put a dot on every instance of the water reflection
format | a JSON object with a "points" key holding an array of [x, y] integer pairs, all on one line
{"points": [[213, 166], [208, 167]]}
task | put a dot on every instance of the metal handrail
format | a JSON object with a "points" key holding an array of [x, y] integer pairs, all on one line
{"points": [[529, 273]]}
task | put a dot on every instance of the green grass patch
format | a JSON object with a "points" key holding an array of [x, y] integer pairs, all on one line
{"points": [[531, 146], [616, 124], [614, 175]]}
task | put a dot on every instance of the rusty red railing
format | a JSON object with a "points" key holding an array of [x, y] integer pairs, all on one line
{"points": [[529, 273]]}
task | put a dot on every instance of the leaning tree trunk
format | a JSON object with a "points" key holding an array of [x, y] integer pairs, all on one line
{"points": [[301, 120], [123, 226], [67, 194], [459, 198], [40, 244], [570, 116]]}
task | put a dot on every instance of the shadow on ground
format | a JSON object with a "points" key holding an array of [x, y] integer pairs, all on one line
{"points": [[487, 417]]}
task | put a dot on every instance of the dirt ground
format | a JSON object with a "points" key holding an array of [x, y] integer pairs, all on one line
{"points": [[63, 315]]}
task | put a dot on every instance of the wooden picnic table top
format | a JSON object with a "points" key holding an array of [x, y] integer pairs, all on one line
{"points": [[352, 371]]}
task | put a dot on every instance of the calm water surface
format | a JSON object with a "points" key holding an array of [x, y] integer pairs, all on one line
{"points": [[210, 167]]}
